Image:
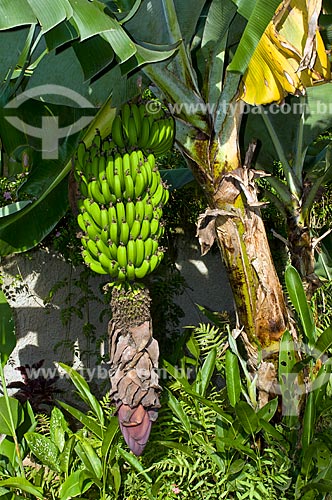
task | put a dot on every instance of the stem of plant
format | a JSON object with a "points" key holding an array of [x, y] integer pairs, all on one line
{"points": [[14, 436]]}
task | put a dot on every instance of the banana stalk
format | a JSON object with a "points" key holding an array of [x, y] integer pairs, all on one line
{"points": [[134, 361]]}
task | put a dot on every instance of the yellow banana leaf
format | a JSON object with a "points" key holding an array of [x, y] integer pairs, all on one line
{"points": [[289, 57]]}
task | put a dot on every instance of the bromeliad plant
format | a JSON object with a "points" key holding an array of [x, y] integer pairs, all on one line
{"points": [[121, 202]]}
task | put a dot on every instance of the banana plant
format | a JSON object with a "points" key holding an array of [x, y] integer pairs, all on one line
{"points": [[220, 64], [306, 168]]}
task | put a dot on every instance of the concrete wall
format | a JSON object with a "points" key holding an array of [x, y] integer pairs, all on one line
{"points": [[40, 331]]}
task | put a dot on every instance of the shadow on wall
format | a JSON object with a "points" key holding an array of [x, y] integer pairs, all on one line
{"points": [[207, 280], [40, 329]]}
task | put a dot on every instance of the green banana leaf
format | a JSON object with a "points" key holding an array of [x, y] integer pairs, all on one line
{"points": [[259, 16], [44, 197], [317, 119], [152, 16], [216, 25]]}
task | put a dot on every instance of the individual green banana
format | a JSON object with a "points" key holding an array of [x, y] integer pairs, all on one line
{"points": [[165, 196], [103, 248], [82, 223], [140, 251], [105, 189], [101, 167], [153, 136], [113, 269], [82, 181], [155, 261], [137, 117], [97, 141], [125, 117], [139, 209], [110, 170], [157, 212], [162, 125], [120, 211], [122, 276], [114, 232], [111, 213], [129, 186], [104, 216], [157, 196], [117, 133], [131, 251], [142, 111], [122, 256], [154, 226], [145, 229], [135, 229], [106, 146], [140, 183], [130, 271], [148, 210], [113, 249], [95, 192], [142, 271], [93, 209], [95, 166], [92, 247], [132, 132], [84, 242], [133, 165], [148, 170], [152, 160], [130, 213], [126, 163], [145, 134], [156, 179], [148, 245], [118, 166], [105, 234], [92, 231], [154, 245], [124, 232], [160, 231], [80, 153], [105, 261], [117, 189], [92, 263]]}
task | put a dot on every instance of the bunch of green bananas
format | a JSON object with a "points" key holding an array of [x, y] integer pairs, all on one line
{"points": [[136, 126], [121, 210]]}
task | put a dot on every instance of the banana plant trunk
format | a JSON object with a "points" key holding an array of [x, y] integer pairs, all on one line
{"points": [[239, 230], [134, 357]]}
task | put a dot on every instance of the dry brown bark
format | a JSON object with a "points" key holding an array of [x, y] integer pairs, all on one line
{"points": [[237, 225], [134, 362]]}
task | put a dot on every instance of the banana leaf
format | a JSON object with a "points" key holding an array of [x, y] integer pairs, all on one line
{"points": [[259, 16], [317, 119]]}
